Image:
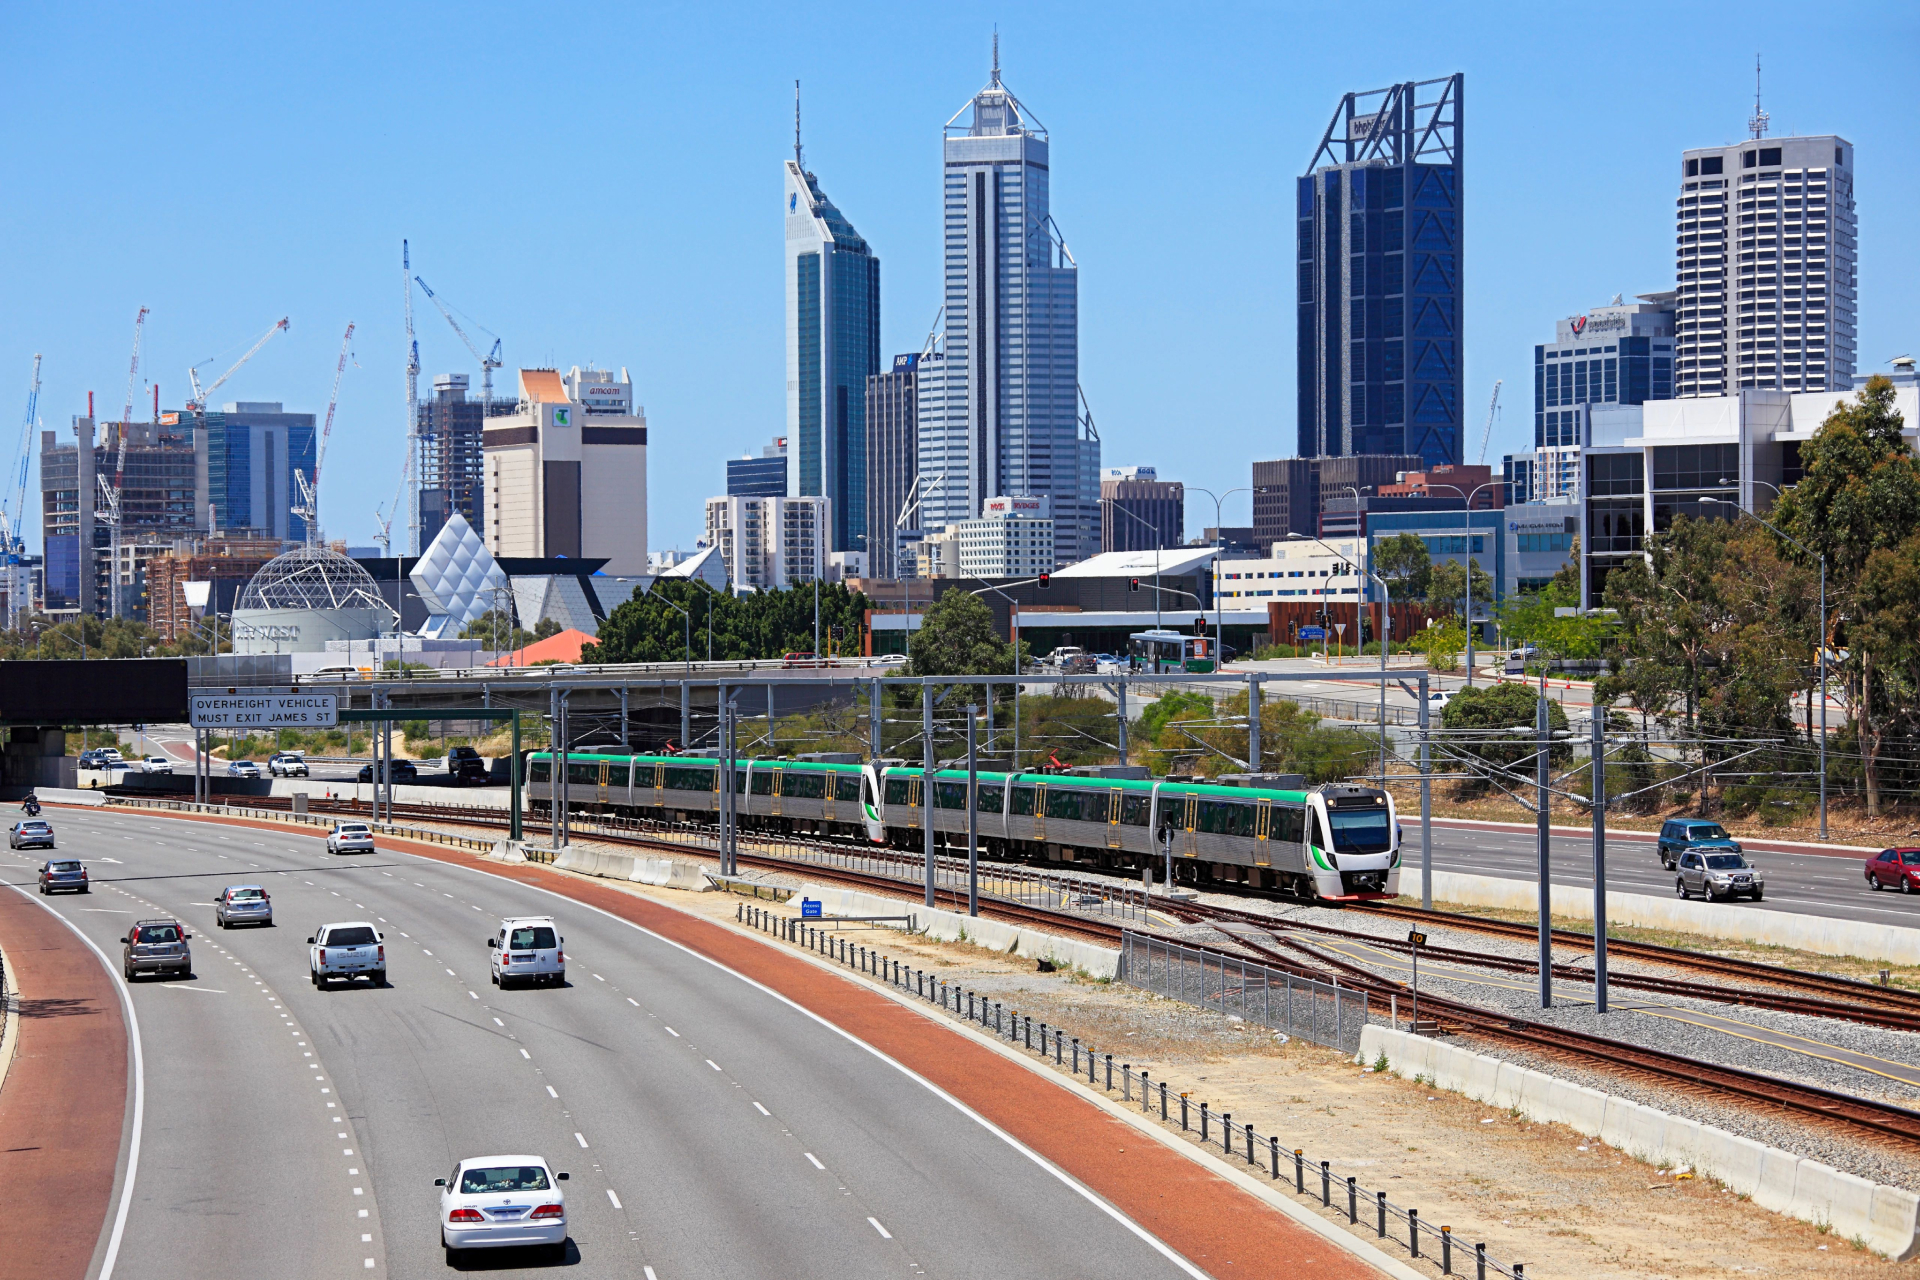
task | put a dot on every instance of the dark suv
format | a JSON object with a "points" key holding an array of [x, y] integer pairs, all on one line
{"points": [[464, 764], [1678, 835]]}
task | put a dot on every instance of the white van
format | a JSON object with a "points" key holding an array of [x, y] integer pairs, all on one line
{"points": [[528, 949]]}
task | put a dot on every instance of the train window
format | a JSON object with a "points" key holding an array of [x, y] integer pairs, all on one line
{"points": [[1134, 810], [762, 784], [1362, 831], [950, 795], [1021, 802], [583, 773], [846, 786], [805, 786], [1225, 818], [989, 797], [537, 770], [1076, 806], [682, 779], [740, 779], [897, 790], [1287, 824], [617, 775]]}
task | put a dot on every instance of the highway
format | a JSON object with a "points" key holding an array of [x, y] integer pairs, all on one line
{"points": [[1817, 884], [712, 1128]]}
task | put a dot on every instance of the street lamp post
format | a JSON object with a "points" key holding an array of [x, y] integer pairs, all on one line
{"points": [[1013, 631], [686, 620], [1219, 544], [1467, 559], [1386, 627], [1804, 550], [1156, 566]]}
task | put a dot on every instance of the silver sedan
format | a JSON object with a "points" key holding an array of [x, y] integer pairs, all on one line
{"points": [[242, 904]]}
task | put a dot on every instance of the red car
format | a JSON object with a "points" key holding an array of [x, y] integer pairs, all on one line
{"points": [[1895, 869]]}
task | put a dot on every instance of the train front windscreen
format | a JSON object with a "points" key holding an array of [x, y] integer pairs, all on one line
{"points": [[1361, 830]]}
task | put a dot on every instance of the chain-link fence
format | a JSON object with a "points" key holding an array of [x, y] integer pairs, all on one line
{"points": [[1318, 1011]]}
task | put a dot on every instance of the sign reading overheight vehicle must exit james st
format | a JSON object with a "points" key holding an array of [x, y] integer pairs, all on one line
{"points": [[264, 710]]}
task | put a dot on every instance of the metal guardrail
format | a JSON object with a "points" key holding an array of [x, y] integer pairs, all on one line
{"points": [[426, 834], [1422, 1240], [1326, 1014]]}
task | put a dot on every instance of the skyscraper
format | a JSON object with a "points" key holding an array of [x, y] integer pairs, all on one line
{"points": [[893, 457], [1379, 287], [833, 344], [1000, 407], [1765, 263]]}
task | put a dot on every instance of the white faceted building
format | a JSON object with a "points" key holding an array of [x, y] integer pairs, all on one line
{"points": [[458, 579]]}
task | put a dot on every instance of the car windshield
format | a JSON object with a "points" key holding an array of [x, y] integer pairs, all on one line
{"points": [[1361, 831], [1911, 857], [159, 933], [536, 936], [241, 895], [357, 936], [521, 1177], [63, 866], [1706, 831], [1725, 862]]}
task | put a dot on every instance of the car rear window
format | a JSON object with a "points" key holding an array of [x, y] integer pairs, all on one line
{"points": [[63, 866], [535, 936], [353, 829], [159, 933], [1707, 831], [356, 936], [238, 895], [521, 1177]]}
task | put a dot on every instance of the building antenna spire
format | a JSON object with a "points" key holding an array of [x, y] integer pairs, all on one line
{"points": [[797, 160], [1757, 122], [996, 55]]}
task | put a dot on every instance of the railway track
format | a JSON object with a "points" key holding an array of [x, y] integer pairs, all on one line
{"points": [[1863, 1117], [1708, 1080]]}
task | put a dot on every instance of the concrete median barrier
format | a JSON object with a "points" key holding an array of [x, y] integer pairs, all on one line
{"points": [[952, 926], [1886, 1218]]}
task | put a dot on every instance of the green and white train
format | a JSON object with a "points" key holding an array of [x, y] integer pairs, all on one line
{"points": [[1336, 842]]}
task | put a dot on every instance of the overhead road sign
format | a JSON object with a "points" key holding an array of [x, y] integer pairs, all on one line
{"points": [[264, 710]]}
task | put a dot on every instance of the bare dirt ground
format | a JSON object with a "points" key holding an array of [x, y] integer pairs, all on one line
{"points": [[1538, 1194]]}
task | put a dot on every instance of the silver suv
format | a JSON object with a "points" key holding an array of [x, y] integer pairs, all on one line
{"points": [[157, 946], [1716, 873], [242, 904]]}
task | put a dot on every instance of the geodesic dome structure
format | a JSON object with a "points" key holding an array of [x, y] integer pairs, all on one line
{"points": [[311, 578]]}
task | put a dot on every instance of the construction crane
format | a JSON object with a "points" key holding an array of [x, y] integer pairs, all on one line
{"points": [[12, 515], [110, 510], [488, 362], [308, 506], [199, 401], [413, 406], [1492, 408]]}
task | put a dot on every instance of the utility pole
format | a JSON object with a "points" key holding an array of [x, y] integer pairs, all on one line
{"points": [[1599, 810], [1543, 838], [926, 781], [973, 818]]}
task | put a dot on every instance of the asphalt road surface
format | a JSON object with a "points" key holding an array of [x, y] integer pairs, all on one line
{"points": [[711, 1128], [1804, 883]]}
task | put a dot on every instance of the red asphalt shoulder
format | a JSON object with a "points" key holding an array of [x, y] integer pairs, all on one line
{"points": [[63, 1105]]}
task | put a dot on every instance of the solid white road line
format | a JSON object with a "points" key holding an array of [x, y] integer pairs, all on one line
{"points": [[763, 1111], [713, 1064], [884, 1233], [581, 1139], [813, 1160], [614, 1198]]}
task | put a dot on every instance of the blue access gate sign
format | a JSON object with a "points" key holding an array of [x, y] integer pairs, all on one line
{"points": [[809, 909], [1313, 633]]}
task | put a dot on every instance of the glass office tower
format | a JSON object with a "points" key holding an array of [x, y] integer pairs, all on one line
{"points": [[1379, 279], [1000, 411], [833, 346]]}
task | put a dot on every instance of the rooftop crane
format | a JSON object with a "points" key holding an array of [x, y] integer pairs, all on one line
{"points": [[110, 494], [488, 362], [199, 401], [1492, 408], [13, 511], [308, 505], [413, 406], [17, 593]]}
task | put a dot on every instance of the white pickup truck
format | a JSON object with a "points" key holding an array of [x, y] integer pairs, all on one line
{"points": [[351, 950]]}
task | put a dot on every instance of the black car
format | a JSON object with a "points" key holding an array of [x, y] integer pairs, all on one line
{"points": [[403, 771], [464, 764]]}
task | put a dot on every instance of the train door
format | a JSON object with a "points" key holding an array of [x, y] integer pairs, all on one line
{"points": [[1190, 825], [600, 783], [1262, 826], [1113, 817], [1040, 811], [714, 799], [773, 792], [832, 783], [659, 786]]}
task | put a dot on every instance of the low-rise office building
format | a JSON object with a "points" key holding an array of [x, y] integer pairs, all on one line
{"points": [[1013, 538], [770, 543]]}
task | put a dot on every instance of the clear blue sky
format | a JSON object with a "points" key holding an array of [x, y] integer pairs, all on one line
{"points": [[601, 183]]}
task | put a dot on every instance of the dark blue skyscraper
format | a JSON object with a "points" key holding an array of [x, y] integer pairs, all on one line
{"points": [[1379, 277]]}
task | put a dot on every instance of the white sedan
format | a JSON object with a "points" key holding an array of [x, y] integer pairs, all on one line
{"points": [[502, 1202], [350, 837]]}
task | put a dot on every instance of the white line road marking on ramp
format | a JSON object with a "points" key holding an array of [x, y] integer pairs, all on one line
{"points": [[813, 1160], [763, 1111], [581, 1139], [884, 1233], [614, 1198]]}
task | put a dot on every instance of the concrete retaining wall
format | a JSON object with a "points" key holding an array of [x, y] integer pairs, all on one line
{"points": [[1738, 921], [1886, 1218], [952, 926]]}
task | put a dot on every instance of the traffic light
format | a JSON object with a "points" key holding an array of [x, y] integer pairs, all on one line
{"points": [[1133, 584], [1046, 580]]}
